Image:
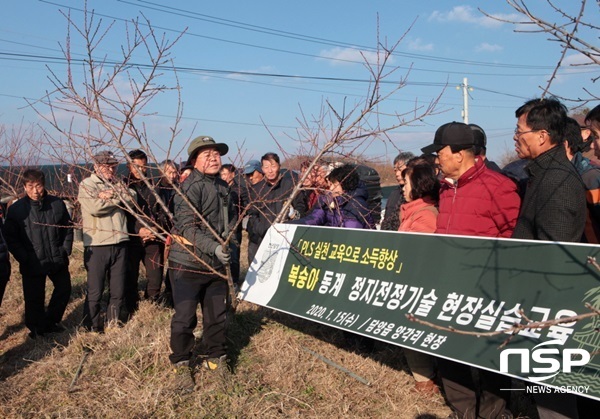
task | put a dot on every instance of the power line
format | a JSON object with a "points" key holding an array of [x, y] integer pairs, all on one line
{"points": [[240, 25], [498, 93], [419, 56], [355, 94], [252, 124], [46, 59], [323, 41]]}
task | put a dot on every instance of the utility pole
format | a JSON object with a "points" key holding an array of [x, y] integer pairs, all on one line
{"points": [[466, 89]]}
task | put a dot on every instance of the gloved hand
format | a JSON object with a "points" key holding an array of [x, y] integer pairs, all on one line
{"points": [[293, 214], [222, 255]]}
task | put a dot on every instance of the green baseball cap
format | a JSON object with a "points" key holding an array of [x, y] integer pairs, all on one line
{"points": [[204, 141]]}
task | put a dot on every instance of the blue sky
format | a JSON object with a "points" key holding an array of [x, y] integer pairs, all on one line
{"points": [[316, 41]]}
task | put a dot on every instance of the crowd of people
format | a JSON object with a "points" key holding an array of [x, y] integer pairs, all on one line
{"points": [[189, 221], [551, 194]]}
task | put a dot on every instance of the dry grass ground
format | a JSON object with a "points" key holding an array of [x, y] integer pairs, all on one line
{"points": [[127, 373]]}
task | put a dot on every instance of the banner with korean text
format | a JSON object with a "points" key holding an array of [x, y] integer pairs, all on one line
{"points": [[367, 281]]}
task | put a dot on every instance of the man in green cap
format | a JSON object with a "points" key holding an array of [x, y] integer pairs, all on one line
{"points": [[196, 259]]}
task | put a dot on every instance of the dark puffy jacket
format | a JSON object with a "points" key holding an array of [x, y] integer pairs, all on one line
{"points": [[481, 203], [149, 208], [39, 234], [4, 261], [210, 196], [167, 194], [267, 201], [350, 211]]}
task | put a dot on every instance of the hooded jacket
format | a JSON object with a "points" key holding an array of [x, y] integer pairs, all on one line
{"points": [[480, 203], [39, 234]]}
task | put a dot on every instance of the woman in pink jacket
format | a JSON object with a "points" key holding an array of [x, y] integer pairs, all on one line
{"points": [[419, 214], [421, 193]]}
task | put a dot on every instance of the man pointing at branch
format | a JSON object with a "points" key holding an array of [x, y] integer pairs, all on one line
{"points": [[198, 261]]}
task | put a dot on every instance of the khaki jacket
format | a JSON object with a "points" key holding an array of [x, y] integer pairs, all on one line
{"points": [[104, 221]]}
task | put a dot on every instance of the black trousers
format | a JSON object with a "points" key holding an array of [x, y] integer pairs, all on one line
{"points": [[101, 263], [37, 318], [189, 289], [472, 399], [152, 255]]}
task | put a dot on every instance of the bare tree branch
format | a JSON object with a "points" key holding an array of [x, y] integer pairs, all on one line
{"points": [[565, 33], [514, 329]]}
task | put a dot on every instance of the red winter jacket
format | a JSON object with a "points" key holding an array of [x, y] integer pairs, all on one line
{"points": [[481, 203]]}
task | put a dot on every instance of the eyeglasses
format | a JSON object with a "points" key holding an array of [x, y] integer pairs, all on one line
{"points": [[519, 133]]}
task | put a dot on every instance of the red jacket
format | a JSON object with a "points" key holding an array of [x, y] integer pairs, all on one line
{"points": [[481, 203]]}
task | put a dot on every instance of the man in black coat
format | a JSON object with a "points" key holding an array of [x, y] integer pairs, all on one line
{"points": [[267, 198], [143, 244], [39, 235], [554, 206], [166, 191]]}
